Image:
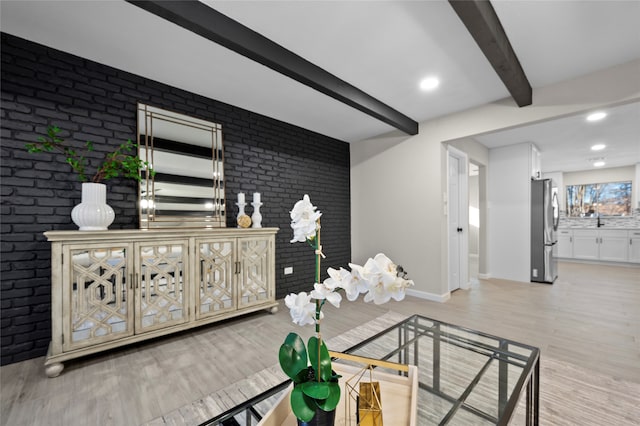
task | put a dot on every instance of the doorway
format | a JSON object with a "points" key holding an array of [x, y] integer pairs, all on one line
{"points": [[457, 218], [474, 223]]}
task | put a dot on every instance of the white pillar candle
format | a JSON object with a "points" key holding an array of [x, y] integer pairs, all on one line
{"points": [[241, 197], [256, 197]]}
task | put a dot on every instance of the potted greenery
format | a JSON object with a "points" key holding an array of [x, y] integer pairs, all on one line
{"points": [[93, 213], [316, 390]]}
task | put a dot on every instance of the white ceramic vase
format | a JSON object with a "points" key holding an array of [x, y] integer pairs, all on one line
{"points": [[93, 213]]}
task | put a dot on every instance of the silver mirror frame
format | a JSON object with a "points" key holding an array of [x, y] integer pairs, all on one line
{"points": [[187, 155]]}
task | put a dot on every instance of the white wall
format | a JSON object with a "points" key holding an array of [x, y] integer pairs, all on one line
{"points": [[478, 153], [613, 174], [396, 180], [510, 211], [637, 186], [474, 205]]}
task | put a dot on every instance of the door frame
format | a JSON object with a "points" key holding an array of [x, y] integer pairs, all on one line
{"points": [[463, 217]]}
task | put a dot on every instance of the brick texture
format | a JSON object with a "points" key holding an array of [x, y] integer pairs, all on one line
{"points": [[90, 101]]}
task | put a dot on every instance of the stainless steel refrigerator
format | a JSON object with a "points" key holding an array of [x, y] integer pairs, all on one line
{"points": [[544, 223]]}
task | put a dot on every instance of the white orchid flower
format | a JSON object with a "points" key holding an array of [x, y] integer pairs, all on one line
{"points": [[385, 265], [321, 291], [378, 294], [304, 219], [301, 308], [357, 283], [335, 278], [382, 279], [397, 289]]}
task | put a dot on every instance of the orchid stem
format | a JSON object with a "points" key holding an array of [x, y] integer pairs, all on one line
{"points": [[318, 304]]}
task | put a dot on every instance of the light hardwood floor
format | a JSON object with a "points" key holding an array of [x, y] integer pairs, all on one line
{"points": [[590, 317]]}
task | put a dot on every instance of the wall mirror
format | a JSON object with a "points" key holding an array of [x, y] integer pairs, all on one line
{"points": [[187, 156]]}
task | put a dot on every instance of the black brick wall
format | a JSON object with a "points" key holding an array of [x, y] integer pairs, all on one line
{"points": [[89, 101]]}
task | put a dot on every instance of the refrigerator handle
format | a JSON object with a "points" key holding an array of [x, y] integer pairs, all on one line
{"points": [[556, 211]]}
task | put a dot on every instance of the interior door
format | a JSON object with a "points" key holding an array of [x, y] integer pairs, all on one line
{"points": [[457, 218], [455, 225]]}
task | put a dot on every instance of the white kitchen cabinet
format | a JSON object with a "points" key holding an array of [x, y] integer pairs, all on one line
{"points": [[585, 244], [113, 288], [565, 243], [613, 245], [634, 246]]}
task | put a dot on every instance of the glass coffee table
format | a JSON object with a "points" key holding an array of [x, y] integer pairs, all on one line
{"points": [[466, 377]]}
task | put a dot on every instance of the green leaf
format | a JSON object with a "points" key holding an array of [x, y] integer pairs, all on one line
{"points": [[331, 402], [292, 355], [290, 362], [316, 390], [301, 405], [302, 376], [324, 363]]}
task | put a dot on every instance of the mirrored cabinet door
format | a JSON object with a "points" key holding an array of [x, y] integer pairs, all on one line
{"points": [[162, 272], [254, 254], [99, 305], [216, 276]]}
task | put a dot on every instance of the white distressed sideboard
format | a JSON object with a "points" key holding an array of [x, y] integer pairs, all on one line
{"points": [[113, 288]]}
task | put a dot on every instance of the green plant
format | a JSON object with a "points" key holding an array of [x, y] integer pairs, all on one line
{"points": [[315, 383], [115, 164]]}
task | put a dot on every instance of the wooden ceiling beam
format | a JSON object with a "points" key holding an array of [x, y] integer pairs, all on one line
{"points": [[213, 25], [482, 22]]}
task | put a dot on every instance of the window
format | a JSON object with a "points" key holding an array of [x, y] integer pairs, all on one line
{"points": [[603, 199]]}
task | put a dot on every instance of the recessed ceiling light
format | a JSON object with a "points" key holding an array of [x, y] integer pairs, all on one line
{"points": [[429, 83], [596, 116], [598, 147], [599, 163]]}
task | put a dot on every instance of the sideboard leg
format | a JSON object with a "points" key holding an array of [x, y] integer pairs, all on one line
{"points": [[54, 370]]}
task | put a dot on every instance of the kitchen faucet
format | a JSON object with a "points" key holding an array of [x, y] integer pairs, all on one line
{"points": [[600, 223]]}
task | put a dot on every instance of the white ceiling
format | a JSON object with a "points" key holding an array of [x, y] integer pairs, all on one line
{"points": [[382, 47], [565, 144]]}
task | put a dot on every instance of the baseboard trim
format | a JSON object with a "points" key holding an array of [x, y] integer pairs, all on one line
{"points": [[599, 262], [471, 282], [429, 296], [484, 276]]}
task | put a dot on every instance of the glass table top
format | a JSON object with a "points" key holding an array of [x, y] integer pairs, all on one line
{"points": [[465, 377]]}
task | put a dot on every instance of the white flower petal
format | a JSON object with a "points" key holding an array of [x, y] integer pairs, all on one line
{"points": [[304, 220], [334, 298], [301, 308]]}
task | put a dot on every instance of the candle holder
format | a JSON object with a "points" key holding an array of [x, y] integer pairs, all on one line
{"points": [[240, 212], [256, 217]]}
